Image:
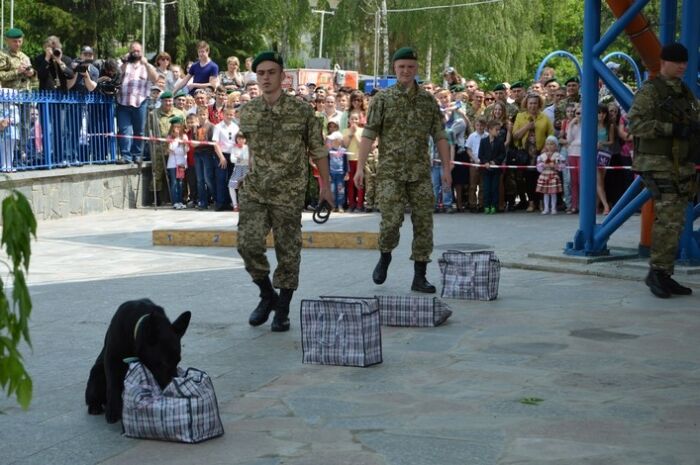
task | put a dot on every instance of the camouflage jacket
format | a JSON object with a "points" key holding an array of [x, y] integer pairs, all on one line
{"points": [[9, 77], [280, 139], [163, 127], [651, 120], [403, 120]]}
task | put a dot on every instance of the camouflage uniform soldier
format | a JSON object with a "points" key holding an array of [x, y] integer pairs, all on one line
{"points": [[573, 95], [163, 115], [663, 118], [16, 69], [403, 117], [371, 181], [281, 133]]}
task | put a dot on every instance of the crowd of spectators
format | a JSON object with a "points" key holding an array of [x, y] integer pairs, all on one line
{"points": [[520, 116]]}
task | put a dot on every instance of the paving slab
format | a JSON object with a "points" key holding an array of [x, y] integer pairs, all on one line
{"points": [[618, 371]]}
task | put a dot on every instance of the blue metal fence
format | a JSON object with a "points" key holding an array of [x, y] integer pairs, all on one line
{"points": [[51, 129]]}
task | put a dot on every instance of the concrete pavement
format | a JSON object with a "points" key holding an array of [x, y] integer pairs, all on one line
{"points": [[618, 371]]}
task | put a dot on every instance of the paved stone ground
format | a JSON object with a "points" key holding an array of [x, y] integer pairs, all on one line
{"points": [[618, 370]]}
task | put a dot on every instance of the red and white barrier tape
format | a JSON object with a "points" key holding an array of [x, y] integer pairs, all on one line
{"points": [[531, 167], [148, 138]]}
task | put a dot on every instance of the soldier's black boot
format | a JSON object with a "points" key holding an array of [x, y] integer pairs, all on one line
{"points": [[654, 281], [379, 274], [268, 300], [420, 284], [280, 322], [673, 286]]}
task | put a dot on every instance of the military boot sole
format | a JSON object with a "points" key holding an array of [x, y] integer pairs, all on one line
{"points": [[280, 326]]}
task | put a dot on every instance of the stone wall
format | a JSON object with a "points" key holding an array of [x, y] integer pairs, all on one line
{"points": [[60, 193]]}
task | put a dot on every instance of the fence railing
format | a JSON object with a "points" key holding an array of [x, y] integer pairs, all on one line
{"points": [[52, 129]]}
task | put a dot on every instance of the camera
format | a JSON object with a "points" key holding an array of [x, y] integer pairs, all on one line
{"points": [[132, 57], [56, 52], [82, 67]]}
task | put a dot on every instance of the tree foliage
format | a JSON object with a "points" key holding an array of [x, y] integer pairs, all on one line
{"points": [[18, 225]]}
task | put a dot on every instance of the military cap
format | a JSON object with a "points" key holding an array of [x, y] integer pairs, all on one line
{"points": [[166, 94], [518, 85], [404, 53], [14, 33], [499, 86], [456, 88], [573, 79], [267, 56], [675, 52], [177, 120], [180, 93], [549, 81]]}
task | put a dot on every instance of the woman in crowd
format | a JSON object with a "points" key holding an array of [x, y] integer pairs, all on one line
{"points": [[232, 78], [359, 104], [499, 114], [569, 113], [531, 129], [606, 135], [163, 68], [618, 181], [573, 145]]}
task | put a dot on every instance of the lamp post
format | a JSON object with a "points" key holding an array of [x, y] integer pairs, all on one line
{"points": [[314, 4], [143, 4]]}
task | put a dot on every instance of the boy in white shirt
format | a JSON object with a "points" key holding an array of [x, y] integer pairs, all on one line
{"points": [[225, 136], [472, 144]]}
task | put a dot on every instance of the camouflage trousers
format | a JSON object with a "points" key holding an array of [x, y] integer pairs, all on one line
{"points": [[371, 182], [670, 202], [393, 196], [158, 158], [255, 222]]}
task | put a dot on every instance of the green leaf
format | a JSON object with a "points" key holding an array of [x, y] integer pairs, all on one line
{"points": [[531, 400]]}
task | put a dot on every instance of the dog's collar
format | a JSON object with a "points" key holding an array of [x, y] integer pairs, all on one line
{"points": [[138, 324]]}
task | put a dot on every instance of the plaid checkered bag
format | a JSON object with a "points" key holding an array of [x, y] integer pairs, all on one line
{"points": [[341, 331], [185, 411], [470, 275], [412, 310]]}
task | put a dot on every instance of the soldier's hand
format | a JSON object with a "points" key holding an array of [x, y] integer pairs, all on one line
{"points": [[325, 193], [447, 178], [681, 131], [359, 178]]}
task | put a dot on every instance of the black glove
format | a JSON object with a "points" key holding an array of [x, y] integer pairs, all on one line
{"points": [[681, 131]]}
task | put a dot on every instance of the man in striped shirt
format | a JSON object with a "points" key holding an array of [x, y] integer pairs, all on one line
{"points": [[132, 103]]}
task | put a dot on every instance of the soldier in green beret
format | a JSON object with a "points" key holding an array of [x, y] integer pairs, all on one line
{"points": [[665, 121], [282, 134], [16, 70], [403, 117]]}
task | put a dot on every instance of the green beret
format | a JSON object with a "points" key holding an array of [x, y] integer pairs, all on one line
{"points": [[404, 53], [517, 85], [267, 56], [166, 94], [549, 81], [179, 93], [500, 86], [14, 33], [456, 88], [573, 79], [177, 120]]}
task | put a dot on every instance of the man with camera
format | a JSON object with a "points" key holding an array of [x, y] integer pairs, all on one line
{"points": [[53, 67], [86, 73], [16, 69], [132, 102]]}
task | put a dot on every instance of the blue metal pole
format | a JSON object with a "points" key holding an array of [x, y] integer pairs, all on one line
{"points": [[618, 89], [606, 230], [557, 53], [667, 21], [631, 192], [690, 37], [688, 249], [589, 91], [630, 60]]}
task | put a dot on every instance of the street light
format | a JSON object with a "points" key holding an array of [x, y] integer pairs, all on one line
{"points": [[314, 4]]}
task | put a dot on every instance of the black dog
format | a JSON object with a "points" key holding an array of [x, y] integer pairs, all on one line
{"points": [[138, 329]]}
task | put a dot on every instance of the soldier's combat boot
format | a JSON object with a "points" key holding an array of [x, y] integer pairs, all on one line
{"points": [[268, 300], [654, 281], [379, 274], [420, 284], [673, 286], [280, 322]]}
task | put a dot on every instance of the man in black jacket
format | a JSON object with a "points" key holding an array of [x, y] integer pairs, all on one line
{"points": [[53, 67]]}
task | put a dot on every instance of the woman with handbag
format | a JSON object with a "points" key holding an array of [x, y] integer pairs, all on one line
{"points": [[531, 129], [606, 134]]}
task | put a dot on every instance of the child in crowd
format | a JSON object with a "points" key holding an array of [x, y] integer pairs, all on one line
{"points": [[492, 152], [207, 157], [351, 141], [177, 160], [240, 159], [338, 167], [190, 186], [549, 163], [473, 142]]}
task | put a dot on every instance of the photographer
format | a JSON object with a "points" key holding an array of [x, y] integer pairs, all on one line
{"points": [[110, 78], [53, 67], [86, 74]]}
